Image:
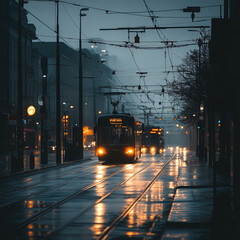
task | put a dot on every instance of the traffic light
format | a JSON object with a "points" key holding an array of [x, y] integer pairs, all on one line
{"points": [[137, 39]]}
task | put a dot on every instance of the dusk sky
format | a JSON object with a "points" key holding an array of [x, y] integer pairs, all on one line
{"points": [[129, 61]]}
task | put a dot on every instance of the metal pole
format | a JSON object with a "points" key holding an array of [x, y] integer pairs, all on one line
{"points": [[43, 111], [58, 109], [225, 9], [94, 102], [80, 93], [200, 115], [80, 87], [20, 144]]}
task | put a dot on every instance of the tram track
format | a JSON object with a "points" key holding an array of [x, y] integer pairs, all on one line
{"points": [[68, 198], [50, 188], [46, 189], [98, 201], [69, 172], [105, 233]]}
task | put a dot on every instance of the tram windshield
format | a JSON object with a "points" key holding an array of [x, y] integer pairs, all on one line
{"points": [[116, 134]]}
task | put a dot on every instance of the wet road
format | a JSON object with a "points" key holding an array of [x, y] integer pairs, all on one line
{"points": [[91, 200]]}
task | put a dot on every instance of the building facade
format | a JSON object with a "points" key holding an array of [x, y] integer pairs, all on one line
{"points": [[9, 72], [95, 75]]}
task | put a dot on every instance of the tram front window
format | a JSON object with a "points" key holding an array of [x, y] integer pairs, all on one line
{"points": [[116, 134]]}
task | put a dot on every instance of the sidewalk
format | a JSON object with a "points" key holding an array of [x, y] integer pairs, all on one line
{"points": [[191, 215]]}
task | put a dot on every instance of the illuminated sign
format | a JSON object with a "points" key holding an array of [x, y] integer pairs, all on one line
{"points": [[152, 132], [115, 120]]}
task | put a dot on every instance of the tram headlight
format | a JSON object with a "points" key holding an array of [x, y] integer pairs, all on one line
{"points": [[129, 151], [143, 150], [152, 149], [101, 151]]}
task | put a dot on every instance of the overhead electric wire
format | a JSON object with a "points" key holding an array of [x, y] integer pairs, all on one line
{"points": [[73, 21], [56, 33], [108, 12], [104, 9], [49, 28], [131, 45], [154, 22], [133, 13]]}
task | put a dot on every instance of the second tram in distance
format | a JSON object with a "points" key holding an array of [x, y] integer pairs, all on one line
{"points": [[118, 137], [152, 140]]}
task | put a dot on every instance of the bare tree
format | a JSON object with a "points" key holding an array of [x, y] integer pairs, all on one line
{"points": [[189, 88]]}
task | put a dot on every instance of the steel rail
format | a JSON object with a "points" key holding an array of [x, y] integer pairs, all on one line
{"points": [[66, 199], [70, 171], [48, 188], [110, 228], [99, 200]]}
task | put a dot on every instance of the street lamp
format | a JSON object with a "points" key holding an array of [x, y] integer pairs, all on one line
{"points": [[202, 107], [80, 87], [31, 110]]}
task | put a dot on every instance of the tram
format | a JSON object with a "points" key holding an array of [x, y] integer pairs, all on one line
{"points": [[118, 137], [152, 140]]}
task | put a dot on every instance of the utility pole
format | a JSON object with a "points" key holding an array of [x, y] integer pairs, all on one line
{"points": [[43, 111], [201, 112], [58, 108], [20, 144], [80, 141], [94, 102]]}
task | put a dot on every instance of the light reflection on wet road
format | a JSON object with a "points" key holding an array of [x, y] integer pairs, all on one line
{"points": [[82, 200]]}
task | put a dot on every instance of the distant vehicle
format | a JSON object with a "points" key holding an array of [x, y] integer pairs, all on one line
{"points": [[87, 146], [51, 145], [118, 136], [152, 140]]}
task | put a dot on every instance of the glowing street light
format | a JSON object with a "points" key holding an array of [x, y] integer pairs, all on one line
{"points": [[201, 107], [31, 110]]}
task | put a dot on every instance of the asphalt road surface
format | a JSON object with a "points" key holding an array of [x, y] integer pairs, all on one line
{"points": [[92, 199]]}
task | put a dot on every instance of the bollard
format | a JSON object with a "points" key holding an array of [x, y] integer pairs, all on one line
{"points": [[32, 162]]}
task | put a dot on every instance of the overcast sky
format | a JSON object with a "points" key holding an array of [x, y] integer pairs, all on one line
{"points": [[154, 62]]}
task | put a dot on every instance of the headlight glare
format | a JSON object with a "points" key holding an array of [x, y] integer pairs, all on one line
{"points": [[129, 151]]}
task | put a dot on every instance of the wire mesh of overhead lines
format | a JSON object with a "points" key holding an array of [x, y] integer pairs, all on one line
{"points": [[145, 84]]}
